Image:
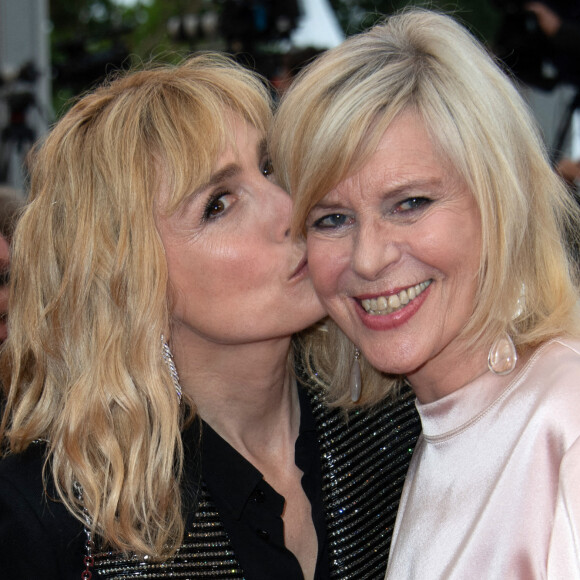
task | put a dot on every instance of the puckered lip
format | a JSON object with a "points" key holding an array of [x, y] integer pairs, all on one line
{"points": [[301, 269]]}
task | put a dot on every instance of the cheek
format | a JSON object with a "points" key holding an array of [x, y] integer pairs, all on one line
{"points": [[453, 243], [327, 262], [467, 249], [224, 274]]}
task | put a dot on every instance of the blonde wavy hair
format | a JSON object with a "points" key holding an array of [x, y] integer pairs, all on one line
{"points": [[332, 118], [89, 297]]}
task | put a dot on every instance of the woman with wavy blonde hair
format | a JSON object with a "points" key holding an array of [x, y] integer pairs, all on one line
{"points": [[154, 421], [440, 240]]}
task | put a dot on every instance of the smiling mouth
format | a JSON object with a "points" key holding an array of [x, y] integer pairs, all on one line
{"points": [[387, 304]]}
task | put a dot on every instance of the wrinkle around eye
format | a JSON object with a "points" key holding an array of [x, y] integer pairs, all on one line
{"points": [[333, 221], [412, 204]]}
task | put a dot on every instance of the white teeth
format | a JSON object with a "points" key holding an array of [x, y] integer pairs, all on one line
{"points": [[388, 304], [394, 302]]}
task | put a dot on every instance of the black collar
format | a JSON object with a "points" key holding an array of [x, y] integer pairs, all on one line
{"points": [[229, 475]]}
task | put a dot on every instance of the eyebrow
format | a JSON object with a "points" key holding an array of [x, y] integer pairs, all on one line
{"points": [[412, 187], [224, 173], [232, 169]]}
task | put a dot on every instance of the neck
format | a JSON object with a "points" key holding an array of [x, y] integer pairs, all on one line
{"points": [[446, 374], [244, 392]]}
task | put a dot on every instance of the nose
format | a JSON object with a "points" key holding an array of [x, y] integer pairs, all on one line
{"points": [[280, 211], [375, 249]]}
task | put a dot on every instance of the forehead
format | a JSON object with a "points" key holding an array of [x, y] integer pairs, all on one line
{"points": [[404, 153], [240, 143], [242, 139]]}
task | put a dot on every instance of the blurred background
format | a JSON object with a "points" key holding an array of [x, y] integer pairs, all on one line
{"points": [[53, 50]]}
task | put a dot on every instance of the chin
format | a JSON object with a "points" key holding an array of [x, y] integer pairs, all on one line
{"points": [[389, 361]]}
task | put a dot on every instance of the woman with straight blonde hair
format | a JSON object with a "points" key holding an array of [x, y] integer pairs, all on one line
{"points": [[159, 422], [439, 239]]}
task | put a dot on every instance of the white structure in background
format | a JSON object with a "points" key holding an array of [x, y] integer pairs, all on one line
{"points": [[24, 41], [550, 109], [318, 26]]}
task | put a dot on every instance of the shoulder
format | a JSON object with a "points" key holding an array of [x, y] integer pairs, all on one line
{"points": [[387, 430], [364, 454], [564, 348], [547, 393], [38, 536], [22, 467], [563, 560], [557, 364], [21, 477], [397, 412]]}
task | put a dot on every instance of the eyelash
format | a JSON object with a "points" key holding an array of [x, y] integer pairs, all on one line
{"points": [[208, 214], [320, 225], [266, 169], [416, 203]]}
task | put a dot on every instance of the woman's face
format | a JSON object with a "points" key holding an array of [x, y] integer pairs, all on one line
{"points": [[394, 253], [235, 274]]}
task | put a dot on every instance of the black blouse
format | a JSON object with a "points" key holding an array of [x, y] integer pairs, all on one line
{"points": [[251, 510]]}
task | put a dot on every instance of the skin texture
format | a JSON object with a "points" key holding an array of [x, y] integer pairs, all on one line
{"points": [[235, 232], [402, 220]]}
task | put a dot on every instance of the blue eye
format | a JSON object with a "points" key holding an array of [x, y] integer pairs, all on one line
{"points": [[411, 204], [333, 221]]}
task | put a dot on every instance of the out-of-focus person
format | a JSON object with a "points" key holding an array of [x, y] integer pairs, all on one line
{"points": [[564, 33]]}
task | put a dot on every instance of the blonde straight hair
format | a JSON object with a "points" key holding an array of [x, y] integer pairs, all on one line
{"points": [[332, 118], [89, 298]]}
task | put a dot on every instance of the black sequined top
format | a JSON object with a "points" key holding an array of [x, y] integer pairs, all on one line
{"points": [[364, 459]]}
